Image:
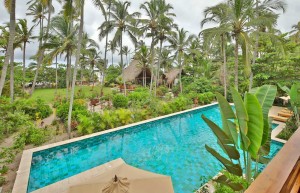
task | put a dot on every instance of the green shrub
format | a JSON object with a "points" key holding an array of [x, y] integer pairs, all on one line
{"points": [[220, 188], [165, 109], [162, 90], [180, 103], [124, 116], [120, 101], [2, 180], [86, 124], [199, 85], [4, 169], [140, 115], [289, 129], [34, 108], [79, 107]]}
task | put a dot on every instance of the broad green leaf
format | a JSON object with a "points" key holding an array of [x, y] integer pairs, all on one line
{"points": [[263, 160], [226, 181], [233, 130], [240, 109], [230, 167], [226, 113], [284, 88], [265, 95], [245, 142], [295, 95], [224, 141], [255, 123]]}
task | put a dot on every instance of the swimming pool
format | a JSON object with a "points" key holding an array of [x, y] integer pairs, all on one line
{"points": [[172, 146]]}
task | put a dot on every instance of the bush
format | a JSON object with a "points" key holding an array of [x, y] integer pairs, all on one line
{"points": [[162, 90], [33, 135], [289, 129], [120, 101], [2, 181], [34, 108], [165, 109], [86, 124], [199, 85], [79, 108], [4, 169], [180, 103], [139, 98], [124, 116]]}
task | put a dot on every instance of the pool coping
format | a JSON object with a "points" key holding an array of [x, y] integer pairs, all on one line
{"points": [[22, 178]]}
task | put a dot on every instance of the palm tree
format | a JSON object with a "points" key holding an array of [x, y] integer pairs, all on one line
{"points": [[179, 43], [94, 59], [104, 31], [121, 21], [24, 35], [126, 51], [60, 27], [80, 6], [143, 56], [37, 9], [113, 49], [216, 14], [166, 59], [155, 11], [11, 6], [296, 32]]}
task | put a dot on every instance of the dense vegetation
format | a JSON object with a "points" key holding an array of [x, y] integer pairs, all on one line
{"points": [[244, 49]]}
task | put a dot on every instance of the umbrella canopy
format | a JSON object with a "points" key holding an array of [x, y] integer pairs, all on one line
{"points": [[133, 180]]}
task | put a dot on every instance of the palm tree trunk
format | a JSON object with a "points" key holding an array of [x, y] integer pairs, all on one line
{"points": [[24, 67], [158, 68], [121, 42], [10, 48], [224, 66], [75, 67], [180, 65], [152, 63], [236, 62], [56, 77], [105, 54], [11, 83], [67, 74]]}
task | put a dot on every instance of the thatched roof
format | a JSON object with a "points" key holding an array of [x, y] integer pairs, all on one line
{"points": [[132, 71], [172, 74]]}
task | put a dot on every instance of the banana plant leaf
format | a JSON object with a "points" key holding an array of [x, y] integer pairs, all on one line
{"points": [[233, 130], [240, 109], [227, 114], [230, 166], [225, 142], [265, 95], [226, 181], [255, 123]]}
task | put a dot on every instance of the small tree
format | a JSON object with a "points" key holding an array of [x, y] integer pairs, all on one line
{"points": [[246, 130]]}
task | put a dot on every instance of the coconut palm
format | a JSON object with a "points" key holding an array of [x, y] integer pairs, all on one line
{"points": [[156, 12], [24, 35], [179, 42], [105, 30], [143, 56], [94, 59], [80, 6], [60, 27], [216, 14], [11, 6], [296, 32], [121, 21], [113, 49], [166, 60], [126, 52], [38, 8]]}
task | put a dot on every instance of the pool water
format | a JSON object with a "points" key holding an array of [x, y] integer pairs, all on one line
{"points": [[274, 125], [172, 146]]}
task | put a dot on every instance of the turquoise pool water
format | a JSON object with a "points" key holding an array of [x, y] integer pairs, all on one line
{"points": [[274, 125], [172, 146]]}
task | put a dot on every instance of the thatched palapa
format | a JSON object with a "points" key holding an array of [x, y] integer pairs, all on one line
{"points": [[172, 75], [134, 72]]}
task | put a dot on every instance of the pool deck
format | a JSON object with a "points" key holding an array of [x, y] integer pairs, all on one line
{"points": [[21, 182]]}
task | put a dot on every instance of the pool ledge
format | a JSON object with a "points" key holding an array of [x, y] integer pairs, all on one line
{"points": [[22, 178]]}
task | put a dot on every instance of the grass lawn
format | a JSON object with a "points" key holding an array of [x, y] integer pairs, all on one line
{"points": [[48, 94]]}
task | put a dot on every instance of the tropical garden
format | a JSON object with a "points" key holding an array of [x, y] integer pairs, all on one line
{"points": [[240, 59]]}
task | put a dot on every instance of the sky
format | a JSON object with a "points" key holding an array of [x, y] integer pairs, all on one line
{"points": [[189, 14]]}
